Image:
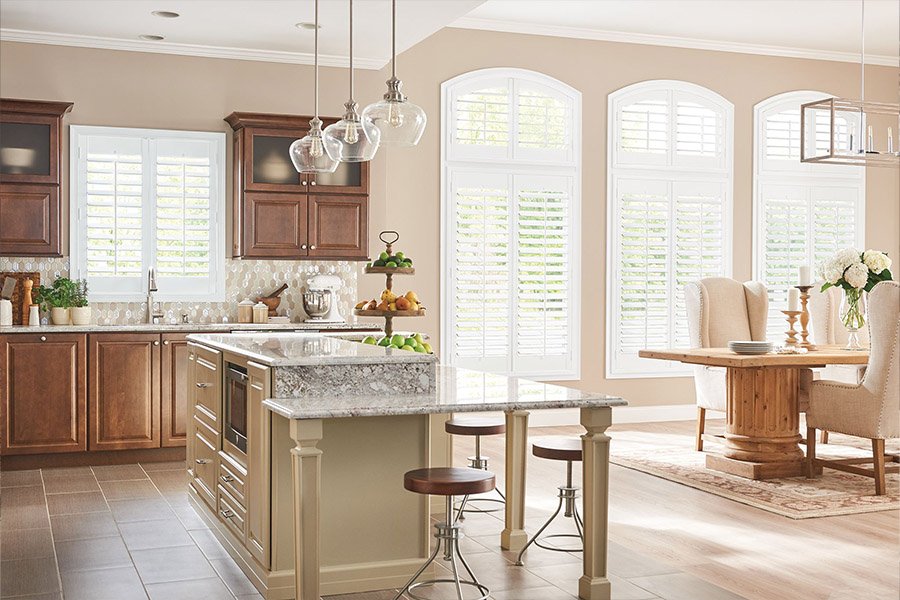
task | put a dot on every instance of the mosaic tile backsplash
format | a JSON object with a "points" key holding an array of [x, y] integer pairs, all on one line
{"points": [[244, 279]]}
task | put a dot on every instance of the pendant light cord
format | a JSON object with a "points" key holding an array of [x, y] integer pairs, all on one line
{"points": [[394, 39], [862, 58], [351, 49], [316, 60]]}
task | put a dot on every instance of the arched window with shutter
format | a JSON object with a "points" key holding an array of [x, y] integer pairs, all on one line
{"points": [[669, 197], [510, 228], [803, 212]]}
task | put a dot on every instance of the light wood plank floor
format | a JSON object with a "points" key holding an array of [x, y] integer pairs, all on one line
{"points": [[751, 552]]}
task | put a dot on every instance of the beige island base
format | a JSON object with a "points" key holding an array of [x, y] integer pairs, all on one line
{"points": [[332, 426]]}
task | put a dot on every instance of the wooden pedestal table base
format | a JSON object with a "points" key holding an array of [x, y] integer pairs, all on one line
{"points": [[762, 427]]}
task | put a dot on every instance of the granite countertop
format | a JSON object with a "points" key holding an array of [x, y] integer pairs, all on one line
{"points": [[306, 349], [175, 327], [457, 390]]}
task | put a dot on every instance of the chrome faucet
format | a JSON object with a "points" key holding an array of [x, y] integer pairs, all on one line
{"points": [[153, 317]]}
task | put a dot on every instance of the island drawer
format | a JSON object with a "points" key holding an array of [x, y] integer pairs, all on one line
{"points": [[205, 459], [232, 477], [208, 382], [232, 514]]}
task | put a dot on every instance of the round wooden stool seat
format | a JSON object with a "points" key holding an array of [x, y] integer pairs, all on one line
{"points": [[475, 426], [449, 481], [557, 448]]}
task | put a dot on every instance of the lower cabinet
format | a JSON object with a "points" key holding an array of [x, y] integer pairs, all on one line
{"points": [[174, 401], [124, 397], [43, 393]]}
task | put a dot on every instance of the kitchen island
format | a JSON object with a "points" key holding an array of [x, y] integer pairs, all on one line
{"points": [[332, 426]]}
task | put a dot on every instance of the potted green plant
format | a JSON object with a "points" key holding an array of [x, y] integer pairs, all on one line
{"points": [[57, 299], [81, 310]]}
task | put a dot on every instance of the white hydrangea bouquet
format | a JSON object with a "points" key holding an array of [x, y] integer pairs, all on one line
{"points": [[855, 272]]}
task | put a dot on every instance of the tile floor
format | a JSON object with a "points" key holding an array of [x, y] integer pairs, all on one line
{"points": [[127, 532]]}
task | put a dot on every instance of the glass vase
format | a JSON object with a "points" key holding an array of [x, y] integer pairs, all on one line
{"points": [[853, 316]]}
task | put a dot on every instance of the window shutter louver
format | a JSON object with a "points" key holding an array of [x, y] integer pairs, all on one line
{"points": [[697, 130]]}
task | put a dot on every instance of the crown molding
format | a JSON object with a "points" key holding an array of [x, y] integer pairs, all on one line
{"points": [[163, 47], [665, 40]]}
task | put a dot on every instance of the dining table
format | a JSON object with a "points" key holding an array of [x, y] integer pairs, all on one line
{"points": [[762, 420]]}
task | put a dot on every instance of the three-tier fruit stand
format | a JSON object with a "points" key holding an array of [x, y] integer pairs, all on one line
{"points": [[389, 272]]}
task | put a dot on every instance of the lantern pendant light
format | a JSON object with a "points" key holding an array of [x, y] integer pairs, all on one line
{"points": [[400, 122], [351, 140], [308, 153]]}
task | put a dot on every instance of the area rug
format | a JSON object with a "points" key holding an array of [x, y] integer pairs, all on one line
{"points": [[833, 493]]}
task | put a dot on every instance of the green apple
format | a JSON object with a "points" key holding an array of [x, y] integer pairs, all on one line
{"points": [[394, 346], [400, 255], [409, 348], [411, 341], [385, 341], [398, 340], [427, 347], [419, 338], [369, 340], [390, 263], [384, 256]]}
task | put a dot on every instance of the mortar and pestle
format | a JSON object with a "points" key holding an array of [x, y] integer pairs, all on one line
{"points": [[273, 300]]}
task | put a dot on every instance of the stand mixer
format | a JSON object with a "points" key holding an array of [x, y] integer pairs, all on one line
{"points": [[320, 300]]}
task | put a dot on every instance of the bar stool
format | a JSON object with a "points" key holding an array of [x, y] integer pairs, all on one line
{"points": [[477, 426], [449, 482], [569, 450]]}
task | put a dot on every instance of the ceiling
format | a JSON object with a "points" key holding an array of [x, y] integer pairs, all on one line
{"points": [[830, 28], [247, 29], [264, 29]]}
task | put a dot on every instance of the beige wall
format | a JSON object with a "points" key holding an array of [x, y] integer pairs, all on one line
{"points": [[154, 90]]}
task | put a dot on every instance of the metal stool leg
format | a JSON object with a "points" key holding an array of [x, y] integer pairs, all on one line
{"points": [[479, 462], [448, 536], [568, 495]]}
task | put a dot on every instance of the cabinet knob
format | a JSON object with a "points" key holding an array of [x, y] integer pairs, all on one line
{"points": [[156, 343], [303, 182], [312, 183], [226, 513], [226, 478], [201, 461], [43, 338], [204, 385], [313, 247], [166, 343], [303, 246]]}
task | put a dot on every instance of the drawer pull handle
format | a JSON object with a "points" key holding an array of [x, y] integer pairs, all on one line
{"points": [[43, 338], [226, 513], [227, 478], [201, 461], [204, 385]]}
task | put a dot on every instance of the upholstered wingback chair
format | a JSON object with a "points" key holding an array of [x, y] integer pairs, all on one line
{"points": [[721, 310], [870, 409]]}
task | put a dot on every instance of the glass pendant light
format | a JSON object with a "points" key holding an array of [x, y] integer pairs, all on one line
{"points": [[400, 122], [351, 140], [308, 153]]}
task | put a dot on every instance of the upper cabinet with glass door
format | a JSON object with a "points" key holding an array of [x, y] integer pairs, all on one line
{"points": [[30, 149]]}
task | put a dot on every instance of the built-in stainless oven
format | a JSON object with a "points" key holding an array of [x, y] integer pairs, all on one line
{"points": [[236, 381]]}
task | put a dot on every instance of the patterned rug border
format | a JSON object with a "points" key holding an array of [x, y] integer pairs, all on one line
{"points": [[784, 512]]}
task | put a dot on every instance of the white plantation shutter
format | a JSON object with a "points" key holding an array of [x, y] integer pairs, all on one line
{"points": [[147, 198], [804, 213], [511, 206], [670, 215]]}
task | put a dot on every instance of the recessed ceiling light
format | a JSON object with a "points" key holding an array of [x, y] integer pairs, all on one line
{"points": [[306, 25], [151, 38], [165, 14]]}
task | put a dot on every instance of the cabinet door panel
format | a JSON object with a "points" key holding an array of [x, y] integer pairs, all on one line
{"points": [[29, 220], [124, 391], [338, 226], [348, 178], [274, 225], [257, 496], [267, 162], [42, 393], [173, 421], [33, 151]]}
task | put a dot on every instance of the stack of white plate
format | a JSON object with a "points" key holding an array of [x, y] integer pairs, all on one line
{"points": [[750, 347]]}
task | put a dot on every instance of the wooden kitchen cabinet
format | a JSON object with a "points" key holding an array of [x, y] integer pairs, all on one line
{"points": [[30, 177], [42, 393], [274, 205], [124, 384], [173, 385]]}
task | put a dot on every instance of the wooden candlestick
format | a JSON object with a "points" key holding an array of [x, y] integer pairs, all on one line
{"points": [[791, 333], [804, 317]]}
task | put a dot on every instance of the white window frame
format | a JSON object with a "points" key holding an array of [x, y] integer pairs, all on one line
{"points": [[670, 171], [77, 197], [511, 162], [806, 177]]}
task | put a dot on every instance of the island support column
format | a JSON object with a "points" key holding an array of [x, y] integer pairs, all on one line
{"points": [[306, 459], [594, 584], [513, 536]]}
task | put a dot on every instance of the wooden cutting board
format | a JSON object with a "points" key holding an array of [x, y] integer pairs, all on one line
{"points": [[18, 313]]}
